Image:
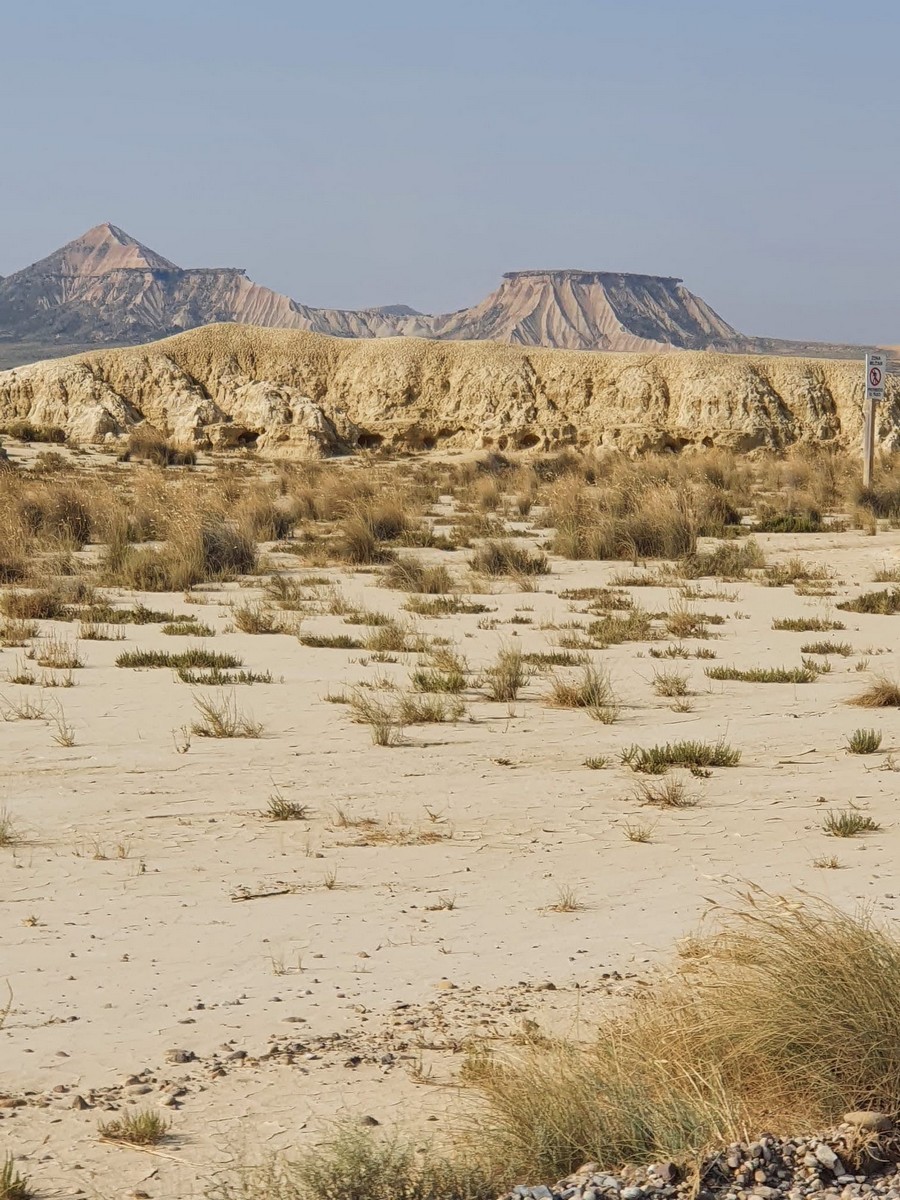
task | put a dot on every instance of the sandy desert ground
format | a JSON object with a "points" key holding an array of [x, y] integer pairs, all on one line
{"points": [[166, 943]]}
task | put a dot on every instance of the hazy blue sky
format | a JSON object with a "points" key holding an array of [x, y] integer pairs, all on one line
{"points": [[352, 153]]}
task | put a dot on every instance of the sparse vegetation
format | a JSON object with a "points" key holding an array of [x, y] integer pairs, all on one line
{"points": [[507, 675], [864, 741], [847, 823], [885, 602], [13, 1184], [655, 760], [804, 674], [220, 717], [807, 624], [498, 558], [182, 660], [881, 693], [143, 1127]]}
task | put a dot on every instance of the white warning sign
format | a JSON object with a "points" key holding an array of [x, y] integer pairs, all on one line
{"points": [[876, 369]]}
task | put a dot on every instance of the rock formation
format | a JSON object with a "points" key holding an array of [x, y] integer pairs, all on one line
{"points": [[296, 393], [107, 288]]}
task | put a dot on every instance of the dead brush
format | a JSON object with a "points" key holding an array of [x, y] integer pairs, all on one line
{"points": [[381, 715], [396, 638], [15, 633], [41, 604], [279, 808], [593, 691], [58, 653], [429, 709], [256, 618], [667, 793], [410, 574], [220, 717], [881, 693]]}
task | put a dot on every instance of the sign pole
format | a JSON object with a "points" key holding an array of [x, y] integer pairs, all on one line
{"points": [[868, 443], [875, 369]]}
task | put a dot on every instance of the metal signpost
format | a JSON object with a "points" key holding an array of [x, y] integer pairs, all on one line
{"points": [[876, 368]]}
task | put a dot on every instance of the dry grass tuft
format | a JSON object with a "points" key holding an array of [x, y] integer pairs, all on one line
{"points": [[220, 717], [504, 557], [881, 693]]}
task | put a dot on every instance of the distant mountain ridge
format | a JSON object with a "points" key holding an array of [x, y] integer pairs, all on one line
{"points": [[107, 288]]}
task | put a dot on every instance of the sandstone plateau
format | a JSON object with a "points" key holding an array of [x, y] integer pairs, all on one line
{"points": [[106, 288], [293, 393]]}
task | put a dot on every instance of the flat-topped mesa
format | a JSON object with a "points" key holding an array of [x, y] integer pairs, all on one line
{"points": [[106, 287], [590, 276]]}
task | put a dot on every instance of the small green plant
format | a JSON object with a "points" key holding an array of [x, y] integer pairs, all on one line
{"points": [[670, 683], [187, 629], [220, 717], [330, 641], [13, 1185], [141, 1128], [596, 763], [885, 602], [803, 674], [847, 823], [807, 624], [655, 760], [443, 606], [844, 649], [215, 677], [864, 741], [279, 808], [184, 660]]}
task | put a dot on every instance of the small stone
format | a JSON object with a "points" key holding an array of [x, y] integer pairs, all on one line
{"points": [[81, 1104], [632, 1193], [369, 1122], [180, 1056], [829, 1159], [765, 1193]]}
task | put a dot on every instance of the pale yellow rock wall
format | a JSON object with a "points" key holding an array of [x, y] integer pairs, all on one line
{"points": [[302, 392]]}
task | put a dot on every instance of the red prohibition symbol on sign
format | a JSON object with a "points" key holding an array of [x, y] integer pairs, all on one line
{"points": [[875, 377]]}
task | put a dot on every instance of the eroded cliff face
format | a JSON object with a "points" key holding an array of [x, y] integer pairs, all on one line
{"points": [[305, 394]]}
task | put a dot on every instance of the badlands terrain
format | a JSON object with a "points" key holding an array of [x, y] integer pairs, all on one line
{"points": [[297, 394], [324, 783], [107, 288]]}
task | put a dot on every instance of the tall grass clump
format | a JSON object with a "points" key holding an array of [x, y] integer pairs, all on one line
{"points": [[199, 547], [759, 1030], [507, 675], [629, 519], [504, 557], [885, 602], [881, 693], [359, 1165]]}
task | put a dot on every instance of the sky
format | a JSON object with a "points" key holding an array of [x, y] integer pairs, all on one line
{"points": [[353, 153]]}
